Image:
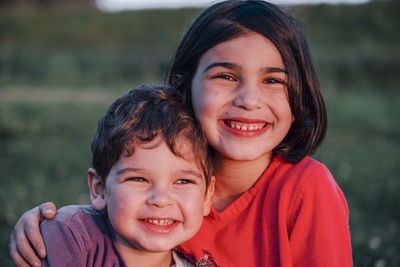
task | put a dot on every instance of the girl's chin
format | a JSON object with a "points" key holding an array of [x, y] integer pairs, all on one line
{"points": [[243, 155]]}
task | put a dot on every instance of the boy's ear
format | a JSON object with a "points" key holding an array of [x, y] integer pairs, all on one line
{"points": [[208, 196], [97, 190]]}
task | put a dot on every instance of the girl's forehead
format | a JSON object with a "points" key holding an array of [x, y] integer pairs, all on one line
{"points": [[245, 47], [249, 40]]}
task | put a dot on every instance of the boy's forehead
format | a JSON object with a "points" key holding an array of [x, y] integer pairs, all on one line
{"points": [[149, 145], [183, 155], [183, 149], [183, 146]]}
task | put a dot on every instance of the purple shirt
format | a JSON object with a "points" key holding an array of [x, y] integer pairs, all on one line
{"points": [[80, 236]]}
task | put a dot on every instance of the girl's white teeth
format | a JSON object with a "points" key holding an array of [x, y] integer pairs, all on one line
{"points": [[246, 127], [160, 222]]}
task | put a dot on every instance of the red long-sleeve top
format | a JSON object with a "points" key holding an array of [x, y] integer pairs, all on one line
{"points": [[294, 215]]}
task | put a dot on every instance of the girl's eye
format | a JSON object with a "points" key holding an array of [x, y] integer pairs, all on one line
{"points": [[225, 77], [274, 81]]}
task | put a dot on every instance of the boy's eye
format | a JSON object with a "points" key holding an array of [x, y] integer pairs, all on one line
{"points": [[185, 181], [136, 179]]}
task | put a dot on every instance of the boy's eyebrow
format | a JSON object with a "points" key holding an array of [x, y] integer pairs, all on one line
{"points": [[191, 172], [236, 67], [186, 172], [128, 169]]}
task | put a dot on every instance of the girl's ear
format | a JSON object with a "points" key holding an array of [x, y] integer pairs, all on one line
{"points": [[97, 190], [208, 196], [175, 81]]}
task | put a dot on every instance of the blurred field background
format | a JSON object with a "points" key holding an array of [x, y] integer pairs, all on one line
{"points": [[62, 64]]}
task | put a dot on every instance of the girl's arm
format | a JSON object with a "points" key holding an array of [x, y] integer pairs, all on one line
{"points": [[320, 231], [26, 236]]}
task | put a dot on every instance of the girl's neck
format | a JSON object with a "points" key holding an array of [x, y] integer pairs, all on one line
{"points": [[234, 177], [136, 257]]}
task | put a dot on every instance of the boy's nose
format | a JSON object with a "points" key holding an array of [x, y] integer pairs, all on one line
{"points": [[159, 198], [248, 97]]}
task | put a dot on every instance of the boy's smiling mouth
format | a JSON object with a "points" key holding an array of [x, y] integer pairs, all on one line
{"points": [[159, 225], [160, 222]]}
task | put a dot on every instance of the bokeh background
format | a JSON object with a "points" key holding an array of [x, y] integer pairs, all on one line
{"points": [[63, 62]]}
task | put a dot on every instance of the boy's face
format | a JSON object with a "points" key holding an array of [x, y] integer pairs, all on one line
{"points": [[155, 199]]}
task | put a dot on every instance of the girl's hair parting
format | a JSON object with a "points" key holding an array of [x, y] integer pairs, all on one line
{"points": [[226, 20], [141, 115]]}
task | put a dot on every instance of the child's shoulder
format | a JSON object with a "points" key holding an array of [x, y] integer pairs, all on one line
{"points": [[307, 173], [306, 181], [304, 166], [77, 212], [79, 236], [77, 226], [77, 218]]}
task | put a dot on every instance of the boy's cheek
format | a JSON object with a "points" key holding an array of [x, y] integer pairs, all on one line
{"points": [[196, 203], [209, 196], [120, 199]]}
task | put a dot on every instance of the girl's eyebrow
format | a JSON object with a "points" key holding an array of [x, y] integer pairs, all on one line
{"points": [[227, 65], [274, 69], [236, 67]]}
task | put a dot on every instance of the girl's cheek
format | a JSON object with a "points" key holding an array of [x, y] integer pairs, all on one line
{"points": [[198, 99], [205, 95]]}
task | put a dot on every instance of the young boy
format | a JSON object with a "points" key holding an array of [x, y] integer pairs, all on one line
{"points": [[150, 186]]}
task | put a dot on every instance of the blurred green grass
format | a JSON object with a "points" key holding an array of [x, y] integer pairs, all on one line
{"points": [[59, 70]]}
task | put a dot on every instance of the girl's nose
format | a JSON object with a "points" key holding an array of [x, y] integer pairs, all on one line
{"points": [[248, 98], [159, 197]]}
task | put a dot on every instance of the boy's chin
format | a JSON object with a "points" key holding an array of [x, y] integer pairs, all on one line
{"points": [[158, 246], [152, 244]]}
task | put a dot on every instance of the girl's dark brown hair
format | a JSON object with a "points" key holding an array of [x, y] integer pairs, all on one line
{"points": [[141, 115], [229, 19]]}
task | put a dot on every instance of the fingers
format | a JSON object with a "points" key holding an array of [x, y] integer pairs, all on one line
{"points": [[47, 211], [26, 236], [32, 233], [26, 253], [18, 260], [20, 249]]}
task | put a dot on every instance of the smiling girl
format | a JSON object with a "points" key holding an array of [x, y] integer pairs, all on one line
{"points": [[246, 71]]}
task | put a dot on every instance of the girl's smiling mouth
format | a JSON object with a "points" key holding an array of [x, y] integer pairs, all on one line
{"points": [[244, 127]]}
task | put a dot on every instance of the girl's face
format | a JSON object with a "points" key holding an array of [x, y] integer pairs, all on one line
{"points": [[239, 95]]}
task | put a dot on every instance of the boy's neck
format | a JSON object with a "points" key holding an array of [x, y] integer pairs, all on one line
{"points": [[135, 257], [234, 177]]}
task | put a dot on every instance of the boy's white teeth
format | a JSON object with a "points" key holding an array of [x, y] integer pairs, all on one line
{"points": [[246, 127], [160, 222]]}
